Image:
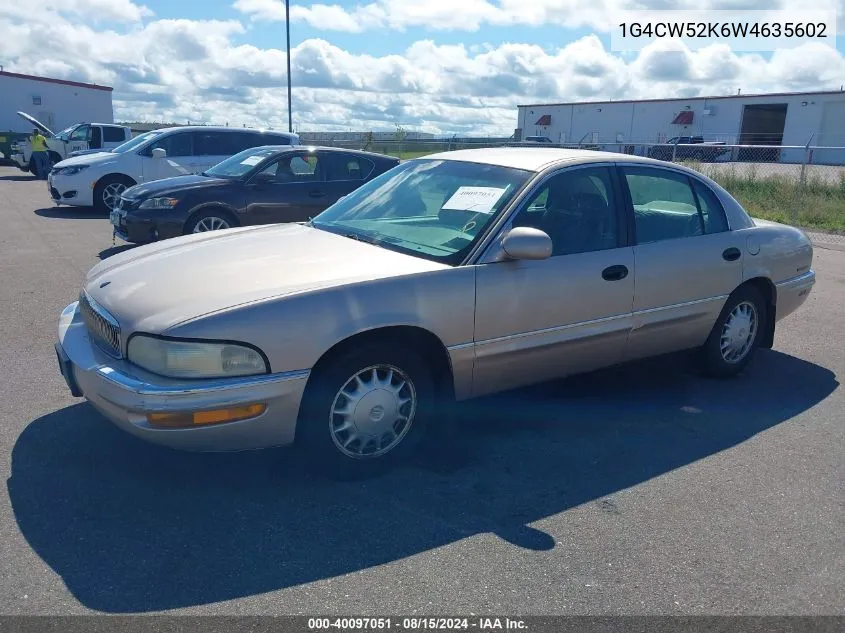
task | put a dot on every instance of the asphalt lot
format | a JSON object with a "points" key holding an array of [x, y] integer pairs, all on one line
{"points": [[639, 490]]}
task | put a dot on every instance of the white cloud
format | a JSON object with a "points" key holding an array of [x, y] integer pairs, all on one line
{"points": [[180, 70], [92, 10], [471, 15]]}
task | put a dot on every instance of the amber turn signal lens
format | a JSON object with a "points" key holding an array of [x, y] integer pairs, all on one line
{"points": [[203, 418]]}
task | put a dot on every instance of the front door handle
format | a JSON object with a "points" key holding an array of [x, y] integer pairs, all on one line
{"points": [[316, 193], [615, 273], [731, 254]]}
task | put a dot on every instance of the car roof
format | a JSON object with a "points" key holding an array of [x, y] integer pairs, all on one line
{"points": [[322, 148], [535, 158], [220, 128]]}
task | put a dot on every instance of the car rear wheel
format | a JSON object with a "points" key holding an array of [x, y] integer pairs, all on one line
{"points": [[108, 191], [210, 220], [736, 335], [366, 410]]}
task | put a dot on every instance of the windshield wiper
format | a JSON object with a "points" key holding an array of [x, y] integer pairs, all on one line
{"points": [[360, 238]]}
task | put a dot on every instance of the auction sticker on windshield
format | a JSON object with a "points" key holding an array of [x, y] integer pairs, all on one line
{"points": [[477, 199], [252, 160]]}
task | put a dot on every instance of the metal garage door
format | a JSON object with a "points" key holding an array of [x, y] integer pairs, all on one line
{"points": [[831, 134], [832, 131]]}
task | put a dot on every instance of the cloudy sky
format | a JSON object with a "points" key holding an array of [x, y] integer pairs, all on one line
{"points": [[446, 66]]}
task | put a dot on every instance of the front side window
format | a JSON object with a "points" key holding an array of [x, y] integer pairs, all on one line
{"points": [[175, 145], [293, 169], [665, 206], [577, 208], [435, 209], [80, 133]]}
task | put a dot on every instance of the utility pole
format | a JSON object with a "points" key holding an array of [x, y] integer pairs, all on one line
{"points": [[287, 26]]}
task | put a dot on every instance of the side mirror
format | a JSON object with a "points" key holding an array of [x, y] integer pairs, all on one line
{"points": [[159, 152], [524, 242]]}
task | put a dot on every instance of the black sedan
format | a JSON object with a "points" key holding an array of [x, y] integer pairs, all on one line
{"points": [[262, 185]]}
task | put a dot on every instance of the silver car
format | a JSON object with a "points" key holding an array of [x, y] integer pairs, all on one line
{"points": [[448, 277]]}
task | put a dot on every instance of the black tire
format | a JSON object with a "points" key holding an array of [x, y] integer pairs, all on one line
{"points": [[314, 434], [105, 184], [714, 362], [206, 215]]}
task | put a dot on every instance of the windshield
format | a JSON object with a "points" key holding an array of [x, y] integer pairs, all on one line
{"points": [[435, 209], [136, 142], [241, 164], [65, 134]]}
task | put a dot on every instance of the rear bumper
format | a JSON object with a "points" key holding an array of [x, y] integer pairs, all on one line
{"points": [[792, 293], [125, 394]]}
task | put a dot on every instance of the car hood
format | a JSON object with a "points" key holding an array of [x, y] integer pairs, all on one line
{"points": [[97, 158], [172, 185], [30, 119], [85, 152], [155, 287]]}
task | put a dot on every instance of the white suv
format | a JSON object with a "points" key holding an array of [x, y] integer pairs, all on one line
{"points": [[99, 179]]}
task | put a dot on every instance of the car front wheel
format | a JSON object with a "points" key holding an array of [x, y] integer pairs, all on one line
{"points": [[366, 409], [210, 220], [108, 191], [736, 335]]}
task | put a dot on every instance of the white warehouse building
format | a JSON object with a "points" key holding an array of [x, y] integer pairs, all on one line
{"points": [[57, 103], [786, 119]]}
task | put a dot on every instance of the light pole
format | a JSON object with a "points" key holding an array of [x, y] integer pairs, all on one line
{"points": [[287, 27]]}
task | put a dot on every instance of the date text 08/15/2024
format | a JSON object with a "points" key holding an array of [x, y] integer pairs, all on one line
{"points": [[416, 624]]}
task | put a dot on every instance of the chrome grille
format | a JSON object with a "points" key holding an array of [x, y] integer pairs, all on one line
{"points": [[102, 326]]}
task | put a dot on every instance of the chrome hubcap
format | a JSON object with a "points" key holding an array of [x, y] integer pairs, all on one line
{"points": [[111, 194], [210, 224], [739, 332], [372, 412]]}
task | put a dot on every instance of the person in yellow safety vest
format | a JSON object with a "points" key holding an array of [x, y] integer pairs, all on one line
{"points": [[40, 157]]}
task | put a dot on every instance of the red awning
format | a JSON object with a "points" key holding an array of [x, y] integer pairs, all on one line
{"points": [[546, 119], [683, 118]]}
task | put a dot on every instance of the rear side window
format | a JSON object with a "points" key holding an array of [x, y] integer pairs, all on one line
{"points": [[711, 209], [349, 167], [113, 135], [276, 139], [214, 144], [258, 139]]}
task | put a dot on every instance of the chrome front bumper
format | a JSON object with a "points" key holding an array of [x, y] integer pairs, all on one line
{"points": [[125, 394]]}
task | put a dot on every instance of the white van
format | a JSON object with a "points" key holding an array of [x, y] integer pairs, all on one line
{"points": [[99, 179]]}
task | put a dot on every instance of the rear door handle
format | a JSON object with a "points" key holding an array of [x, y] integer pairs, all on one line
{"points": [[731, 254], [316, 193], [615, 273]]}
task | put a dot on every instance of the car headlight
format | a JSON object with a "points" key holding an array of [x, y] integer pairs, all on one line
{"points": [[191, 359], [70, 171], [159, 203]]}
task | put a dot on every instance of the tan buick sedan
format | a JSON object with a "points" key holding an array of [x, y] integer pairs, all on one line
{"points": [[448, 277]]}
